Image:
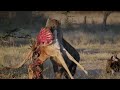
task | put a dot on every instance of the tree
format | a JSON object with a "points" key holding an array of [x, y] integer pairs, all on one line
{"points": [[106, 14]]}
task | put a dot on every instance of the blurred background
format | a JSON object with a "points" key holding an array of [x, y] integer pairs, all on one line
{"points": [[94, 34], [28, 23]]}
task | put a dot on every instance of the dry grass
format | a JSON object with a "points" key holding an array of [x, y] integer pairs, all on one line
{"points": [[94, 45], [94, 49], [11, 56]]}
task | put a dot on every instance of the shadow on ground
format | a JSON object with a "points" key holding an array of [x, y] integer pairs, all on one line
{"points": [[92, 74]]}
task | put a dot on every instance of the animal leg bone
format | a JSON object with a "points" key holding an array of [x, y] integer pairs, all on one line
{"points": [[72, 59], [59, 56]]}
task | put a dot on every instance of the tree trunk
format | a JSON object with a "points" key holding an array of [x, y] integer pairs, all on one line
{"points": [[106, 14], [85, 23]]}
